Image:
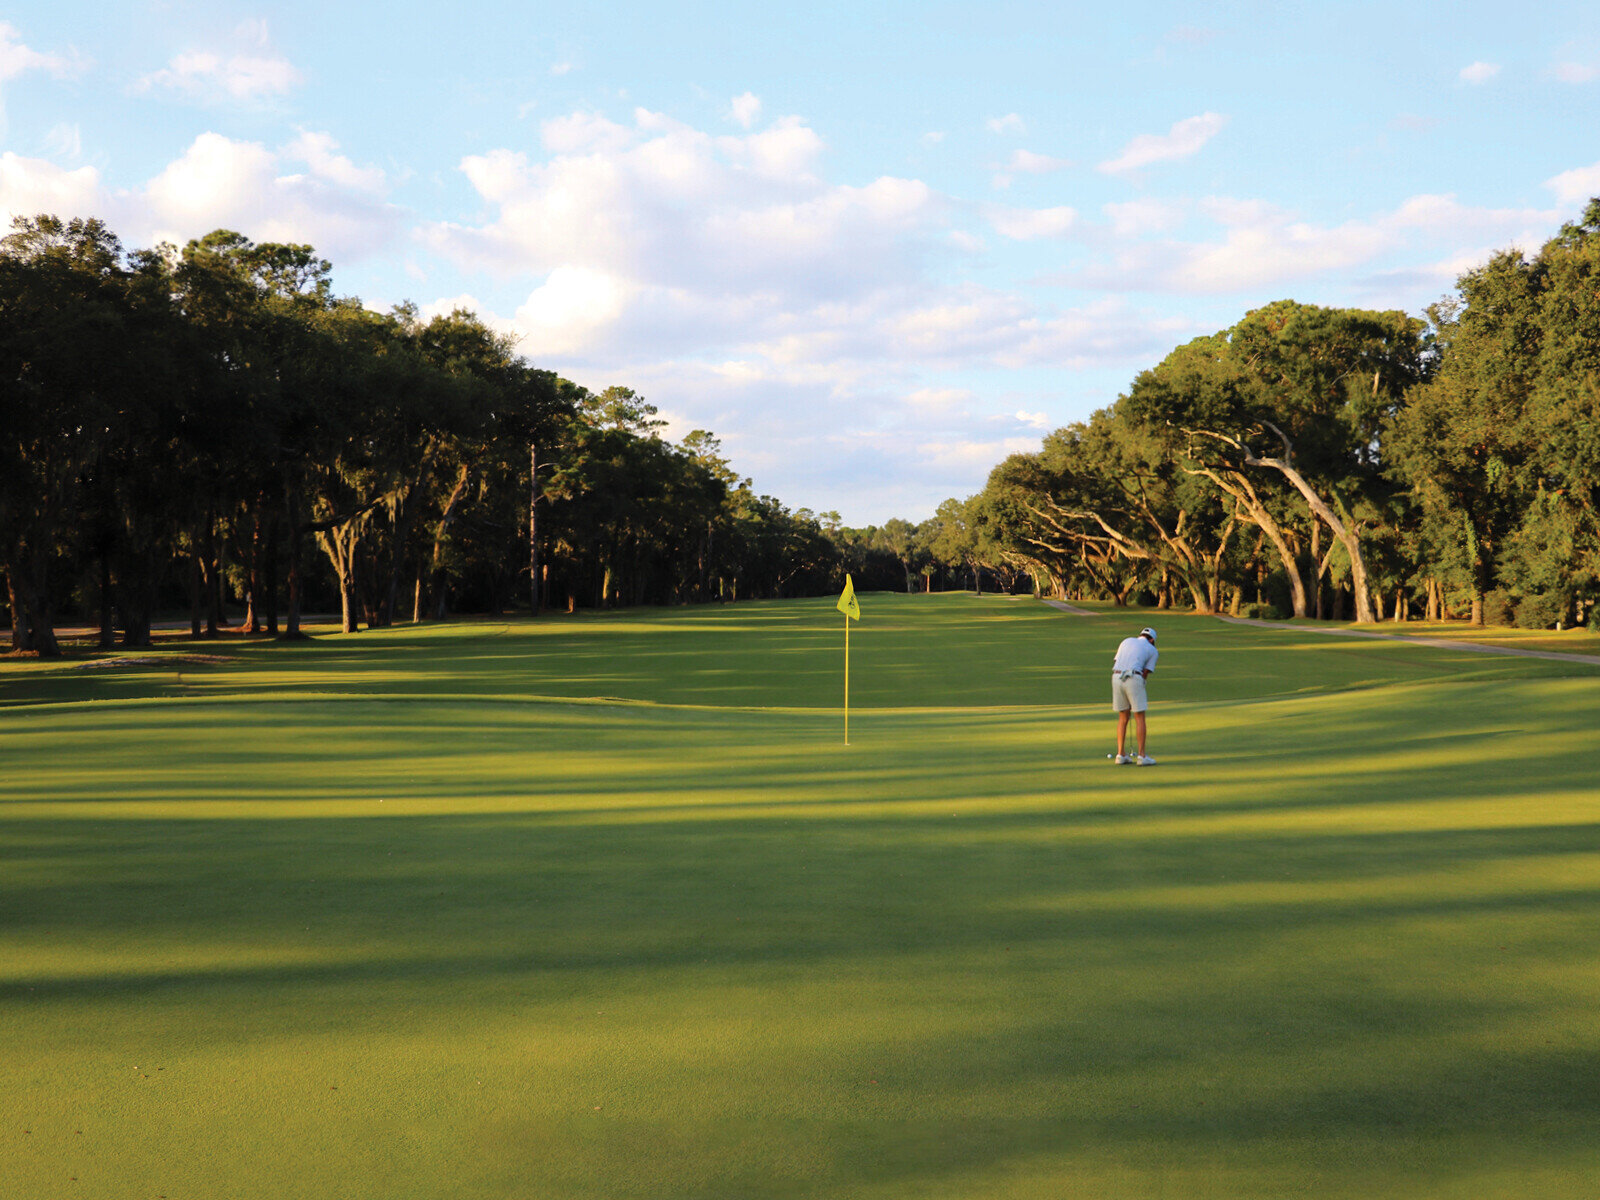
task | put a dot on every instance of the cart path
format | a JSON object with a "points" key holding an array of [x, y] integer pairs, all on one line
{"points": [[1071, 608], [1590, 660]]}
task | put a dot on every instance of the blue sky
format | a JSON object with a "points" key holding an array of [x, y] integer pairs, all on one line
{"points": [[873, 247]]}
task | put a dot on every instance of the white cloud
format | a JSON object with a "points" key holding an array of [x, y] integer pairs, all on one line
{"points": [[204, 75], [64, 140], [655, 241], [30, 186], [1575, 186], [219, 182], [745, 109], [255, 73], [1010, 123], [809, 322], [1106, 332], [938, 400], [563, 315], [933, 137], [561, 68], [1029, 163], [1184, 139], [1028, 224], [216, 175], [973, 455], [253, 30], [662, 205], [15, 58], [316, 150], [1479, 72], [1135, 218], [583, 131], [1576, 72], [1263, 245], [786, 152]]}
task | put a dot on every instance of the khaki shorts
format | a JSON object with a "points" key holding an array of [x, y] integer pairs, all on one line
{"points": [[1127, 693]]}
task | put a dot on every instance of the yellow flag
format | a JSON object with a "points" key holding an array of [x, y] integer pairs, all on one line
{"points": [[847, 601]]}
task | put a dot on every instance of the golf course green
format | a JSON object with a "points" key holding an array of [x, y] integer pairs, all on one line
{"points": [[602, 907]]}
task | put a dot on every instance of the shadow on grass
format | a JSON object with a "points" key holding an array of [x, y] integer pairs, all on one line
{"points": [[1050, 997]]}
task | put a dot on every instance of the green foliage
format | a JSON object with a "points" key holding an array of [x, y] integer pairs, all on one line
{"points": [[1261, 611], [1499, 607], [1542, 610], [1453, 457], [183, 424]]}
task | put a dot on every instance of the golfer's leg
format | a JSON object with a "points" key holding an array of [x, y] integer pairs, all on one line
{"points": [[1138, 724], [1122, 731]]}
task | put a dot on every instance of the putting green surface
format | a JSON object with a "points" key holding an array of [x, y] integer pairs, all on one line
{"points": [[602, 907]]}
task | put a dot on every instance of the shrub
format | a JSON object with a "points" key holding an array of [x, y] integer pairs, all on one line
{"points": [[1499, 606], [1541, 610], [1261, 611]]}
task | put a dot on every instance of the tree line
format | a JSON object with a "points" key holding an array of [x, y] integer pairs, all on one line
{"points": [[214, 428], [1335, 463]]}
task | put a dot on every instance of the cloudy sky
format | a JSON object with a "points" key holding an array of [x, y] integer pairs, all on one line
{"points": [[874, 247]]}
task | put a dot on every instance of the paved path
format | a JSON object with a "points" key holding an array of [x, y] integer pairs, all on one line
{"points": [[1589, 660], [1071, 608]]}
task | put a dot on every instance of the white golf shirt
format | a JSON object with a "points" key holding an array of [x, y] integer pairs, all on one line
{"points": [[1135, 654]]}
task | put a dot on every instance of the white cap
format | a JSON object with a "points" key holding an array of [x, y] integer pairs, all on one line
{"points": [[1148, 632]]}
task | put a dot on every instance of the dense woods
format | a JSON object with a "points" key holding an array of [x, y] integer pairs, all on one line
{"points": [[214, 431]]}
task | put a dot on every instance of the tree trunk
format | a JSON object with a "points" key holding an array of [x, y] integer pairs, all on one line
{"points": [[195, 572], [136, 596], [291, 507], [440, 532], [342, 544], [22, 634], [1251, 507], [402, 534], [108, 627], [251, 623], [534, 593], [211, 562], [32, 599], [1317, 564], [269, 569], [1347, 538], [20, 641]]}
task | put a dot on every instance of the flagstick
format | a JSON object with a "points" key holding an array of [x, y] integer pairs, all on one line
{"points": [[847, 679]]}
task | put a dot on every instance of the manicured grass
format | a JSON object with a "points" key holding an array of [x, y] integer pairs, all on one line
{"points": [[602, 907]]}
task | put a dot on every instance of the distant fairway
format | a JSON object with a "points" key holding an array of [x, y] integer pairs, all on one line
{"points": [[601, 907]]}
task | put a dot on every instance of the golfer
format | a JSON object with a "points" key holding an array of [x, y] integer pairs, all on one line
{"points": [[1136, 658]]}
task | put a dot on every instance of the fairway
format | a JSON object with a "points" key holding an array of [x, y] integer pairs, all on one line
{"points": [[601, 907]]}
